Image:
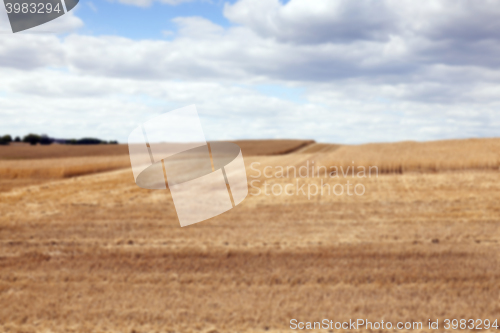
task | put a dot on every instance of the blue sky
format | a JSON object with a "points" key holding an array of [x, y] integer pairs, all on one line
{"points": [[331, 70], [111, 18]]}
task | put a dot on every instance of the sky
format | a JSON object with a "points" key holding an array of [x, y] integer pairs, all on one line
{"points": [[339, 71]]}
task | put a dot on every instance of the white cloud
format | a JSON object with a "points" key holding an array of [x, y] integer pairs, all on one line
{"points": [[370, 71], [318, 21], [65, 104], [322, 21]]}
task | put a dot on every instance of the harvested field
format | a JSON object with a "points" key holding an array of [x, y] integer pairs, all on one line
{"points": [[400, 157], [271, 147], [14, 173], [96, 253], [38, 164], [61, 167], [25, 151], [318, 148]]}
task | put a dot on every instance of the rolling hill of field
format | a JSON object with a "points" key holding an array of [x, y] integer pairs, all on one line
{"points": [[96, 253], [29, 152], [23, 164]]}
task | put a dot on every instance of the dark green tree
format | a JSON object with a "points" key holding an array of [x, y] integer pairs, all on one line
{"points": [[5, 140], [32, 139], [45, 140]]}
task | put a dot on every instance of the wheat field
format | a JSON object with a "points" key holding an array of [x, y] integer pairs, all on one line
{"points": [[402, 157], [96, 253], [23, 164]]}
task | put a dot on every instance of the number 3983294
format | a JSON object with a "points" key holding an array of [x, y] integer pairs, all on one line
{"points": [[32, 8]]}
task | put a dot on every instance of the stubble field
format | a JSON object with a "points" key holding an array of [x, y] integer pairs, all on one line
{"points": [[96, 253]]}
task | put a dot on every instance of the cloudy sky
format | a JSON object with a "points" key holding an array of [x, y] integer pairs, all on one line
{"points": [[346, 71]]}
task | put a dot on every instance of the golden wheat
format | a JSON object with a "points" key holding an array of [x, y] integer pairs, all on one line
{"points": [[25, 151], [96, 253], [60, 167], [401, 157]]}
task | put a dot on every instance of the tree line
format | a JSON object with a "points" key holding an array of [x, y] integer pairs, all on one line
{"points": [[34, 139]]}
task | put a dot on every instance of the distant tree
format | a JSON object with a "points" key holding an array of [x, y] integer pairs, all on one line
{"points": [[17, 139], [87, 141], [5, 140], [45, 140], [32, 139]]}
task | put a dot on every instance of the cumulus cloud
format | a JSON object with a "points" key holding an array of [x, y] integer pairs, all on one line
{"points": [[306, 21], [115, 106], [322, 21], [369, 70], [69, 104]]}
